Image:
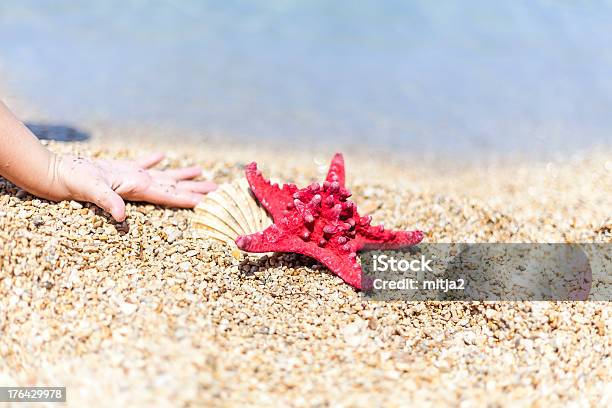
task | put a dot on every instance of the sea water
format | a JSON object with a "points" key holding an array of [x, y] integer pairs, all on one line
{"points": [[416, 75]]}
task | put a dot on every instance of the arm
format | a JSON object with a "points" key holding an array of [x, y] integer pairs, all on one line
{"points": [[106, 183], [25, 161]]}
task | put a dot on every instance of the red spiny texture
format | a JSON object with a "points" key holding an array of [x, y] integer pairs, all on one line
{"points": [[319, 221]]}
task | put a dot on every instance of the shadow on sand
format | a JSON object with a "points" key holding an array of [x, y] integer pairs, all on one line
{"points": [[61, 133]]}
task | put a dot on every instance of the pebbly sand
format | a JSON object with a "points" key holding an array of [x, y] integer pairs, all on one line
{"points": [[144, 314]]}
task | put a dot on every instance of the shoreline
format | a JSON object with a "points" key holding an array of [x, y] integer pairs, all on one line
{"points": [[105, 130]]}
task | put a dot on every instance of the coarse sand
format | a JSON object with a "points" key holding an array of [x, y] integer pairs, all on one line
{"points": [[144, 314]]}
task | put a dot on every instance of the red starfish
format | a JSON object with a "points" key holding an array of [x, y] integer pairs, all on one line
{"points": [[318, 221]]}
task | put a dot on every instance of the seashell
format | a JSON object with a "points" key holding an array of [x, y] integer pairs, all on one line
{"points": [[229, 211]]}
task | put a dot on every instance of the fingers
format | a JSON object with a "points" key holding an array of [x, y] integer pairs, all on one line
{"points": [[149, 161], [110, 202], [171, 196], [197, 197], [202, 187], [186, 173]]}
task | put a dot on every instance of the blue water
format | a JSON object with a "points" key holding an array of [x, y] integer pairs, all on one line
{"points": [[448, 75]]}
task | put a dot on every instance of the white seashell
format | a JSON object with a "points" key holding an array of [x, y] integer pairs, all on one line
{"points": [[229, 211]]}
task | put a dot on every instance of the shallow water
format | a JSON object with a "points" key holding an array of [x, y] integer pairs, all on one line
{"points": [[518, 76]]}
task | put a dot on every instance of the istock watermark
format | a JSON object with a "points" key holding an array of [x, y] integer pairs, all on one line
{"points": [[490, 272], [383, 263], [386, 263]]}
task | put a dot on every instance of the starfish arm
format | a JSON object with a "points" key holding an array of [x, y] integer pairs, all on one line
{"points": [[378, 237], [344, 266], [336, 170], [349, 270], [273, 198], [272, 239]]}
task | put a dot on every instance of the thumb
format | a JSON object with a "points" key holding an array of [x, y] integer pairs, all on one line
{"points": [[110, 202]]}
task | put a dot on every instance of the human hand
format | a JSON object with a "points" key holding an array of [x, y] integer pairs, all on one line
{"points": [[107, 183]]}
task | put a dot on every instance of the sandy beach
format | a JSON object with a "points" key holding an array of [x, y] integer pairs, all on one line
{"points": [[145, 314]]}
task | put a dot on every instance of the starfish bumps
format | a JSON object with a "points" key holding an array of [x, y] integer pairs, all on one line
{"points": [[319, 221]]}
